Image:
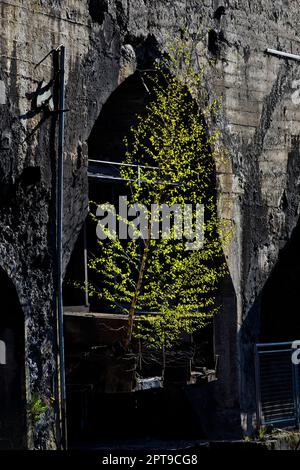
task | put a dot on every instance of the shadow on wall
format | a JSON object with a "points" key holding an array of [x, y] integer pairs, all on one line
{"points": [[280, 296], [12, 374], [273, 317]]}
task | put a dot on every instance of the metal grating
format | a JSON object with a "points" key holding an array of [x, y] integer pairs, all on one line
{"points": [[277, 385]]}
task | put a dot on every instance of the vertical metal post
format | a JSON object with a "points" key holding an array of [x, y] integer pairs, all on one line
{"points": [[60, 215], [257, 387], [60, 385], [164, 358], [85, 260], [296, 388]]}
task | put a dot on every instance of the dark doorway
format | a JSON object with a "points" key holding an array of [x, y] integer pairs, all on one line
{"points": [[12, 373]]}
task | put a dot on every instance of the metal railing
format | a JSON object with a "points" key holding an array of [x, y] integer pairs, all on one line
{"points": [[277, 385], [110, 171]]}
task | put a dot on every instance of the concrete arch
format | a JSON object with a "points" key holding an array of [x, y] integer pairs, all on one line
{"points": [[106, 144]]}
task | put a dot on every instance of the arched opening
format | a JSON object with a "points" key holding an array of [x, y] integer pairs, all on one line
{"points": [[12, 364], [103, 401]]}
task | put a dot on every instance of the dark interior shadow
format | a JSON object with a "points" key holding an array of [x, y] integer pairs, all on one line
{"points": [[280, 296], [12, 373]]}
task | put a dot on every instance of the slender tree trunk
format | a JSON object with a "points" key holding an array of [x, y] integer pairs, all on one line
{"points": [[132, 309]]}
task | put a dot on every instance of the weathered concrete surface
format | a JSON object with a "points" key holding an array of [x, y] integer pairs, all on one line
{"points": [[105, 41]]}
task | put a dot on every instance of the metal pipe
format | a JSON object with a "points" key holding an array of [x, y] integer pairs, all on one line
{"points": [[286, 343], [266, 345], [60, 216], [107, 177], [286, 55], [61, 393], [269, 351]]}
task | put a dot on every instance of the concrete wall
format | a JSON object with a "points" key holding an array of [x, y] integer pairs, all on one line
{"points": [[105, 41], [259, 126]]}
